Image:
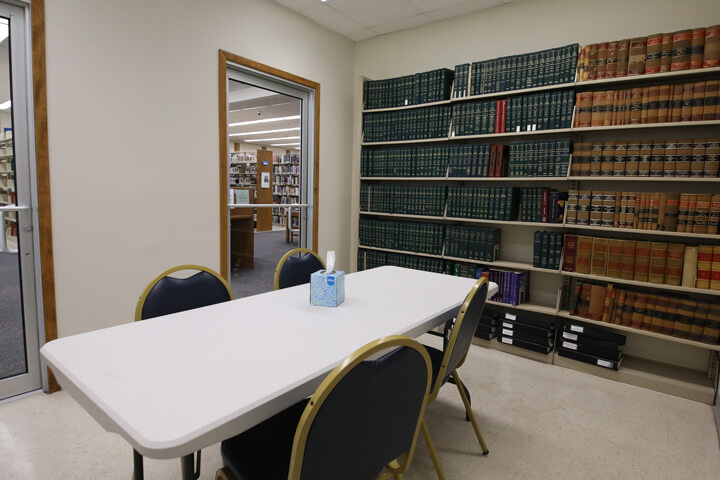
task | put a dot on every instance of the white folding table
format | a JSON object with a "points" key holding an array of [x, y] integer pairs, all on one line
{"points": [[175, 384]]}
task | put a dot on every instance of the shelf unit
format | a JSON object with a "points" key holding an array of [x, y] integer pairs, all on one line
{"points": [[504, 347], [7, 188], [678, 380], [285, 167], [242, 169]]}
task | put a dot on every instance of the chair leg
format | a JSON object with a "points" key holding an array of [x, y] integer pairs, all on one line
{"points": [[468, 409], [433, 453], [190, 471], [467, 392]]}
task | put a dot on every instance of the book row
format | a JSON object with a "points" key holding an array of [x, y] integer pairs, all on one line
{"points": [[698, 157], [513, 285], [655, 262], [523, 331], [540, 111], [548, 158], [473, 243], [657, 53], [506, 204], [536, 69], [409, 236], [417, 124], [669, 212], [547, 249], [541, 205], [414, 161], [425, 87], [591, 345], [403, 199], [682, 102], [668, 314]]}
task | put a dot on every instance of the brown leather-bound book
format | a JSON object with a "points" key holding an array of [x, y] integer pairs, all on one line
{"points": [[642, 261], [711, 100], [608, 303], [698, 101], [690, 260], [627, 107], [714, 218], [639, 218], [660, 216], [636, 106], [666, 55], [612, 58], [674, 264], [596, 159], [596, 208], [598, 108], [583, 210], [711, 332], [583, 64], [685, 318], [687, 102], [683, 157], [618, 209], [669, 161], [636, 60], [715, 269], [610, 101], [653, 53], [645, 154], [592, 61], [607, 217], [597, 301], [624, 55], [682, 46], [633, 158], [670, 220], [700, 318], [583, 113], [702, 213], [631, 217], [657, 158], [638, 314], [619, 157], [584, 252], [622, 220], [712, 157], [647, 322], [619, 107], [645, 105], [628, 308], [659, 314], [676, 103], [653, 211], [697, 48], [628, 260], [711, 55], [572, 207], [570, 245], [619, 307], [692, 205], [608, 153], [704, 266], [602, 56], [697, 158], [664, 92], [672, 313], [652, 104], [658, 259], [584, 300], [683, 212], [614, 263], [582, 152]]}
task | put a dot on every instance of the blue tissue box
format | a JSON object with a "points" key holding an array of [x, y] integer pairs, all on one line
{"points": [[327, 289]]}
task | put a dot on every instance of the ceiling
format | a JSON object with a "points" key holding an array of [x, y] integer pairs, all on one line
{"points": [[364, 19], [247, 103]]}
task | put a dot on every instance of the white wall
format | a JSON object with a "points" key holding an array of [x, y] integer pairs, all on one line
{"points": [[125, 81]]}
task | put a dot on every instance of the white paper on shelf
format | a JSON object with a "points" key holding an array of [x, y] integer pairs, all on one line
{"points": [[510, 316], [507, 340], [507, 332], [576, 328], [569, 345], [570, 336], [604, 363], [508, 325]]}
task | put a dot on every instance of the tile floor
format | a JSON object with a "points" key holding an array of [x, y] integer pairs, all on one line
{"points": [[540, 422]]}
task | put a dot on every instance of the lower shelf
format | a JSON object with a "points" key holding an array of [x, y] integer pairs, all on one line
{"points": [[504, 347], [678, 381]]}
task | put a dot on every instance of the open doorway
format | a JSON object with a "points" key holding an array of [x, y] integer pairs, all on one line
{"points": [[269, 159]]}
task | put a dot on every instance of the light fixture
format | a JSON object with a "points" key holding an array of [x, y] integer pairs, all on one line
{"points": [[283, 144], [3, 29], [274, 139], [6, 105], [263, 106], [264, 131], [266, 120]]}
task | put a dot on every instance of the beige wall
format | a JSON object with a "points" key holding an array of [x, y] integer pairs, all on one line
{"points": [[133, 132]]}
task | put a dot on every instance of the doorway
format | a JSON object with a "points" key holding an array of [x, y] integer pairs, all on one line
{"points": [[269, 160], [19, 298]]}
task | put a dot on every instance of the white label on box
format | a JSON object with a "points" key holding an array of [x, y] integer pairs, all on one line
{"points": [[517, 129], [508, 325], [510, 316], [604, 363], [534, 127], [576, 328], [569, 345], [507, 332], [507, 340], [570, 336]]}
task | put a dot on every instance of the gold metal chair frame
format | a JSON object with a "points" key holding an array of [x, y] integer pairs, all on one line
{"points": [[397, 467], [146, 292], [278, 268]]}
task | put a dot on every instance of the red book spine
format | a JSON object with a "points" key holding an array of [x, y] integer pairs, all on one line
{"points": [[500, 161], [545, 202], [503, 112]]}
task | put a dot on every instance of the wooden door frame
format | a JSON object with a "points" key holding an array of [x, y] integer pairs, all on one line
{"points": [[224, 58]]}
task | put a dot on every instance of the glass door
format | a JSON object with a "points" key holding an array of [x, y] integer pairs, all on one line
{"points": [[19, 358]]}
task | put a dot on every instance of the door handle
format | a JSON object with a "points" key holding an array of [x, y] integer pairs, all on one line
{"points": [[14, 208]]}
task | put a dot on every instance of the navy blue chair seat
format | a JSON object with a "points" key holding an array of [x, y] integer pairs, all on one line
{"points": [[295, 268]]}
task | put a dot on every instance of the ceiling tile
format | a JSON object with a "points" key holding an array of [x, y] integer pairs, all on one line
{"points": [[329, 17], [298, 5], [361, 35], [403, 24], [371, 13], [430, 5], [468, 6]]}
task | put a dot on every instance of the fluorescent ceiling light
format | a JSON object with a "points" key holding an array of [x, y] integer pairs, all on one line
{"points": [[265, 131], [283, 144], [5, 105], [266, 120], [3, 29], [262, 106], [274, 139]]}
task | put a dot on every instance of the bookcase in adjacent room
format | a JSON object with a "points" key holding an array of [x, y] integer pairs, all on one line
{"points": [[7, 189]]}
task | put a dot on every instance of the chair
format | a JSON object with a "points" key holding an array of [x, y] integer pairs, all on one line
{"points": [[457, 339], [362, 422], [166, 295], [294, 270]]}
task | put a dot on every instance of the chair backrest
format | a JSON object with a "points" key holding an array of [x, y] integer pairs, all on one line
{"points": [[365, 414], [295, 268], [460, 336], [167, 294]]}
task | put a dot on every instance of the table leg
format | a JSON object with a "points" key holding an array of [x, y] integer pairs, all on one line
{"points": [[138, 473], [189, 469]]}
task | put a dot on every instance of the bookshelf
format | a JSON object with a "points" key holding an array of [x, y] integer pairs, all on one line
{"points": [[7, 187], [658, 361], [242, 169], [286, 184]]}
